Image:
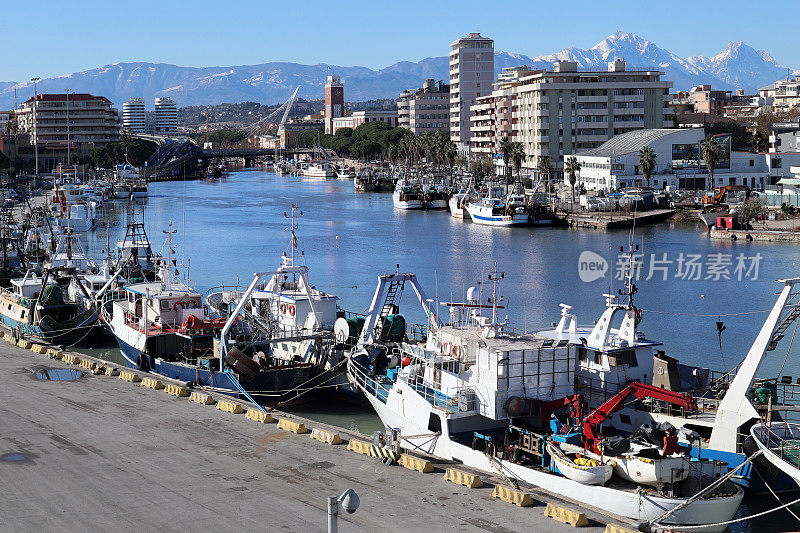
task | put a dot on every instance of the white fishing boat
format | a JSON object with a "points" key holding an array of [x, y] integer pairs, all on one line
{"points": [[345, 173], [458, 204], [651, 469], [138, 189], [780, 444], [462, 393], [80, 216], [319, 169], [574, 464], [493, 210], [407, 195], [435, 197]]}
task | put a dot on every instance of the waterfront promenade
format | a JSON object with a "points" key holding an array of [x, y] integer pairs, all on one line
{"points": [[100, 454]]}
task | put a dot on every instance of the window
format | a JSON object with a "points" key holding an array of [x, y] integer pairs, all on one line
{"points": [[434, 423], [752, 163]]}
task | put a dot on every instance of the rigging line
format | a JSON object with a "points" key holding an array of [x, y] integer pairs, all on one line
{"points": [[788, 349], [774, 494], [707, 315]]}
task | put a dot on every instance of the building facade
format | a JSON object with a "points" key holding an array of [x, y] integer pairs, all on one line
{"points": [[471, 76], [67, 124], [785, 136], [493, 116], [334, 101], [563, 111], [615, 164], [166, 116], [358, 118], [133, 115], [785, 93], [426, 108]]}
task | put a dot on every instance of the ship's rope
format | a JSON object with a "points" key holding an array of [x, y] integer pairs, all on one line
{"points": [[773, 493], [734, 521]]}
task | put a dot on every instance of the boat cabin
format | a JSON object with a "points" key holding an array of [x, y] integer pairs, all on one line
{"points": [[284, 300]]}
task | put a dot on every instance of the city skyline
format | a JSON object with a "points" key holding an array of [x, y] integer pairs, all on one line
{"points": [[247, 34]]}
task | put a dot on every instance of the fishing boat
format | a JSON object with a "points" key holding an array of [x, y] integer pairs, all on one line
{"points": [[780, 443], [435, 197], [319, 169], [345, 173], [80, 216], [407, 195], [458, 204], [469, 392], [363, 182], [493, 210], [138, 189]]}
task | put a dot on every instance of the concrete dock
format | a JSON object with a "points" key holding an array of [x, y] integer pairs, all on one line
{"points": [[609, 221], [102, 454]]}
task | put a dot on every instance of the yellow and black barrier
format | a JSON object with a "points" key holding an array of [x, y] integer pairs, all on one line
{"points": [[460, 477], [386, 455], [291, 426], [230, 407], [7, 337], [358, 446], [202, 398], [24, 344], [614, 528], [179, 391], [258, 415], [517, 497], [112, 371], [153, 383], [328, 437], [130, 377], [415, 463], [38, 348], [54, 354], [71, 359], [567, 516], [87, 364]]}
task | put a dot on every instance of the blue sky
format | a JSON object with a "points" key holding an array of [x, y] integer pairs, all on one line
{"points": [[64, 37]]}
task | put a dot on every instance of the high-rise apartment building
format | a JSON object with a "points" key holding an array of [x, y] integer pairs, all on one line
{"points": [[562, 111], [133, 115], [334, 101], [426, 108], [471, 76], [166, 116]]}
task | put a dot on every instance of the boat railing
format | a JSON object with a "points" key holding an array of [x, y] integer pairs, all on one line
{"points": [[774, 436], [368, 384], [461, 398]]}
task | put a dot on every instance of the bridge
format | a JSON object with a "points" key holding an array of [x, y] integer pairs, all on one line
{"points": [[186, 160]]}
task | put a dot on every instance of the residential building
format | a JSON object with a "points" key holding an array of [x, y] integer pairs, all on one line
{"points": [[471, 76], [679, 164], [334, 101], [785, 136], [5, 118], [358, 118], [133, 115], [288, 134], [493, 116], [426, 108], [564, 110], [785, 93], [92, 121], [166, 116]]}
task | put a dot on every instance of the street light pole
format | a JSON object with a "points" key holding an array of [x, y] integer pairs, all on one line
{"points": [[68, 152], [35, 129]]}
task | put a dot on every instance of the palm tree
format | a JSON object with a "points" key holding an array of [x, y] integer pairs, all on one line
{"points": [[572, 167], [711, 151], [505, 149], [517, 156], [647, 163], [545, 171]]}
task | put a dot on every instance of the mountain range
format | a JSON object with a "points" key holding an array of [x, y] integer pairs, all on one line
{"points": [[737, 66]]}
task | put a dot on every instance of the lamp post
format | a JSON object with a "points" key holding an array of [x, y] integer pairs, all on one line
{"points": [[68, 151], [35, 129]]}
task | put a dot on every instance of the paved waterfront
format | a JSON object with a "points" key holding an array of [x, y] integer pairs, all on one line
{"points": [[99, 454]]}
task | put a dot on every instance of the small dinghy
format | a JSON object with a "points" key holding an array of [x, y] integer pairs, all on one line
{"points": [[582, 469], [780, 444]]}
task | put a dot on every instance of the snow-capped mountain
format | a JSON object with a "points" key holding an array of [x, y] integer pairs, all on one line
{"points": [[738, 66]]}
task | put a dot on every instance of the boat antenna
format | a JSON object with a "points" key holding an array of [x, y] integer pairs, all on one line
{"points": [[630, 287]]}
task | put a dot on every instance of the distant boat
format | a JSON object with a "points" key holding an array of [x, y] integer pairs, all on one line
{"points": [[319, 169], [496, 211], [407, 196], [345, 173]]}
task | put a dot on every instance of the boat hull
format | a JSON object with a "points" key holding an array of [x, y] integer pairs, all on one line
{"points": [[782, 460]]}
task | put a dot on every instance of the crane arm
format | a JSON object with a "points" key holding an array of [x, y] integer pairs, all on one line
{"points": [[591, 433]]}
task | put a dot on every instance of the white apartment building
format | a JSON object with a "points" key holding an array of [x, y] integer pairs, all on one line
{"points": [[471, 76], [615, 164], [562, 111], [426, 108], [133, 115], [358, 118], [166, 116], [785, 93], [67, 123]]}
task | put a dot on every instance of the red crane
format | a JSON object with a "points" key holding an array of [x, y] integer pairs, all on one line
{"points": [[592, 422]]}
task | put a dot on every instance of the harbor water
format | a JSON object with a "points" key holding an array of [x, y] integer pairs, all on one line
{"points": [[231, 227]]}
